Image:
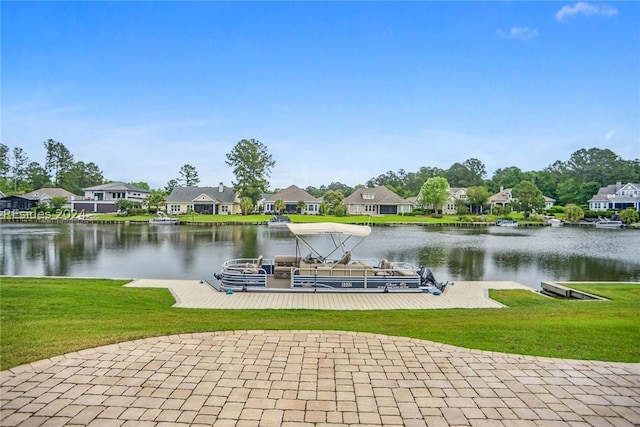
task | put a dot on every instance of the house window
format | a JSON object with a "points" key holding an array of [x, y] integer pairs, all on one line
{"points": [[367, 196], [224, 209], [369, 208], [174, 208]]}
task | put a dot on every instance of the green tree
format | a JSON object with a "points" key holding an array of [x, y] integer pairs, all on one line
{"points": [[434, 193], [18, 167], [629, 216], [469, 173], [58, 161], [301, 205], [5, 165], [573, 212], [141, 184], [57, 202], [334, 199], [171, 184], [80, 176], [528, 197], [36, 177], [252, 166], [279, 205], [246, 205], [507, 178], [156, 199], [189, 176], [478, 197]]}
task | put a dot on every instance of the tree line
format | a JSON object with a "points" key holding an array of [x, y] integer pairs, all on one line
{"points": [[573, 181]]}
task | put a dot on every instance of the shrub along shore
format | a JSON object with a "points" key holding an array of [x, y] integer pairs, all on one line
{"points": [[46, 317], [258, 219]]}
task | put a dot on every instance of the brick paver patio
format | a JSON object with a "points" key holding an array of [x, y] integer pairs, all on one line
{"points": [[311, 378]]}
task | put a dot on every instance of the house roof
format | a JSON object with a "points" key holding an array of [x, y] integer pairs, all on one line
{"points": [[381, 196], [189, 194], [292, 194], [605, 193], [502, 196], [44, 193], [117, 186]]}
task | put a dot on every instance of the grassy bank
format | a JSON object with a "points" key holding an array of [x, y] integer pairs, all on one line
{"points": [[44, 317], [350, 219]]}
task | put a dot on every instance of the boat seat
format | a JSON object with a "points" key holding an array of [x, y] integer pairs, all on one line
{"points": [[284, 266], [346, 258], [251, 268], [286, 261]]}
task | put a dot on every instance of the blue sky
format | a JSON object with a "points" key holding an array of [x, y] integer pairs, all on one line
{"points": [[337, 91]]}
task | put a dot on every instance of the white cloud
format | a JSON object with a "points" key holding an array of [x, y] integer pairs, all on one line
{"points": [[519, 33], [587, 9]]}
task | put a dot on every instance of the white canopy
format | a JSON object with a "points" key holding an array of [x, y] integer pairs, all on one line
{"points": [[330, 228]]}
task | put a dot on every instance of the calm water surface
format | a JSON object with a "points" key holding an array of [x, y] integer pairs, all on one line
{"points": [[525, 255]]}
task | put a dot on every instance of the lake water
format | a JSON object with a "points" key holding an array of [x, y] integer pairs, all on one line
{"points": [[524, 255]]}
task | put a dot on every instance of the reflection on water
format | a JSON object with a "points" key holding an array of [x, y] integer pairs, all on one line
{"points": [[489, 253]]}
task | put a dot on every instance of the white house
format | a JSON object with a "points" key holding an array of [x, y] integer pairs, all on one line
{"points": [[617, 197], [103, 198]]}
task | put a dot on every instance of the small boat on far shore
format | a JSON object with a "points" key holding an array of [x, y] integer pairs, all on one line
{"points": [[163, 219], [507, 223], [610, 224], [279, 221]]}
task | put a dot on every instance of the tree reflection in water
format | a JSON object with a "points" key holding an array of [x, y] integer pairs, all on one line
{"points": [[178, 252]]}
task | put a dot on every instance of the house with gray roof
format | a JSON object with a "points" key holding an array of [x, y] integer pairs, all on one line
{"points": [[44, 195], [451, 205], [616, 197], [376, 201], [220, 200], [291, 196], [102, 198]]}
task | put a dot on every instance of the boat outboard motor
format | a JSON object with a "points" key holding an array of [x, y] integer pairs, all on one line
{"points": [[427, 278]]}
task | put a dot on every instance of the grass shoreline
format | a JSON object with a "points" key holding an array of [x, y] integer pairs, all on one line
{"points": [[46, 317]]}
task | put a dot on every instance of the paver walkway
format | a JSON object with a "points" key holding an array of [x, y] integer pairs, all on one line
{"points": [[309, 378], [193, 294]]}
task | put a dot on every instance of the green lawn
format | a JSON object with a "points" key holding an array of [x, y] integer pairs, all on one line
{"points": [[351, 219], [44, 317]]}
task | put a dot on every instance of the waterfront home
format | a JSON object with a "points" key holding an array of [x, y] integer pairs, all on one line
{"points": [[17, 203], [220, 200], [291, 196], [456, 194], [376, 201], [102, 198], [504, 198], [44, 196], [616, 197]]}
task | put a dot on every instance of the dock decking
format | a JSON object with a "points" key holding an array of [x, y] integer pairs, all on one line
{"points": [[194, 294]]}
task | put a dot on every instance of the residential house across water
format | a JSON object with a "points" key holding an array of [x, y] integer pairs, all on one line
{"points": [[103, 198], [220, 200], [291, 196], [617, 196], [376, 201]]}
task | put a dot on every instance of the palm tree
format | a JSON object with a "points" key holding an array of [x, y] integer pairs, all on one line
{"points": [[279, 205]]}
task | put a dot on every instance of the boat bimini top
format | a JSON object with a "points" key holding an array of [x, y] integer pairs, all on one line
{"points": [[330, 228], [340, 235]]}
